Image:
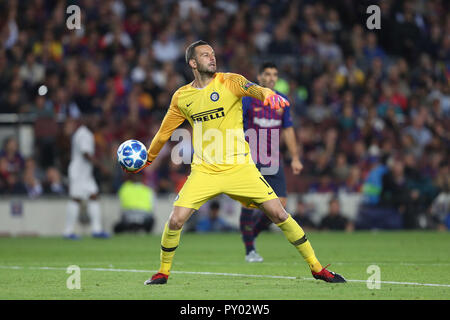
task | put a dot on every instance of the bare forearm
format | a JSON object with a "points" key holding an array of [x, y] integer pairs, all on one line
{"points": [[291, 143]]}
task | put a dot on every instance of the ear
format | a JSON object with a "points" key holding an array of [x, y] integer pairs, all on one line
{"points": [[193, 63]]}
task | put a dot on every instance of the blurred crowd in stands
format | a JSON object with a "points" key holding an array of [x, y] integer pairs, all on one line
{"points": [[371, 108]]}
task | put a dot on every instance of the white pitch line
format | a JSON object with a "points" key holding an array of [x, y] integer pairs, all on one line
{"points": [[336, 263], [151, 271], [224, 274]]}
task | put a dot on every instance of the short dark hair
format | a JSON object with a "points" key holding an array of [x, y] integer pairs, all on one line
{"points": [[266, 65], [190, 50]]}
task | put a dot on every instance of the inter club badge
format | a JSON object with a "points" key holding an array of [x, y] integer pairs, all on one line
{"points": [[214, 96]]}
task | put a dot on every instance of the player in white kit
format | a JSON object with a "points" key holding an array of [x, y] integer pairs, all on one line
{"points": [[82, 185]]}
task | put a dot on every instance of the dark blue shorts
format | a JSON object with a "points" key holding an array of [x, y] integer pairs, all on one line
{"points": [[277, 181]]}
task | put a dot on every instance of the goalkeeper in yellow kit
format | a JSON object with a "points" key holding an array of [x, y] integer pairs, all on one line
{"points": [[222, 162]]}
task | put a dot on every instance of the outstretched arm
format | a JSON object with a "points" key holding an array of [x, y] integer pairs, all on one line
{"points": [[289, 138], [241, 87]]}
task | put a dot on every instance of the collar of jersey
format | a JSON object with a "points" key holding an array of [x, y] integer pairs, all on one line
{"points": [[214, 77]]}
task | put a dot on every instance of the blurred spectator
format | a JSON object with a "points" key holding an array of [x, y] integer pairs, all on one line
{"points": [[349, 73], [372, 49], [10, 183], [32, 72], [439, 214], [303, 216], [318, 111], [14, 185], [421, 135], [353, 183], [328, 49], [117, 39], [212, 222], [334, 220], [136, 206], [13, 159], [281, 43], [373, 185], [404, 190], [406, 32], [10, 33], [32, 184], [395, 191], [341, 168], [4, 173], [45, 130], [165, 48], [53, 183]]}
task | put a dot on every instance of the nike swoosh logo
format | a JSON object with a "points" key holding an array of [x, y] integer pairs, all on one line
{"points": [[269, 192], [187, 106]]}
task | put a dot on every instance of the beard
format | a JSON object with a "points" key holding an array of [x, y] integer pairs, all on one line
{"points": [[206, 70]]}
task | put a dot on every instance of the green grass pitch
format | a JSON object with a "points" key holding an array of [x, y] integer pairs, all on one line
{"points": [[206, 265]]}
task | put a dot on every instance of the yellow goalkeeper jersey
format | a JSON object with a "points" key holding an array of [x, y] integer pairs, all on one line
{"points": [[215, 113]]}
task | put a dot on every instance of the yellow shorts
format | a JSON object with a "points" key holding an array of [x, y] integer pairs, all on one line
{"points": [[244, 184]]}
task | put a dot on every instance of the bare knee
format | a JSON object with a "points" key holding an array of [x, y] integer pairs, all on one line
{"points": [[275, 211], [277, 214], [175, 222]]}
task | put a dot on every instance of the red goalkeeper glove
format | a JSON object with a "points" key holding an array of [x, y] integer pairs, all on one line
{"points": [[276, 101], [147, 163]]}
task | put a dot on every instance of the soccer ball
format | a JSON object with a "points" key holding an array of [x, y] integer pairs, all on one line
{"points": [[132, 155]]}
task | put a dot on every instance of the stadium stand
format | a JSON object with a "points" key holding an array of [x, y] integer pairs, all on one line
{"points": [[371, 108]]}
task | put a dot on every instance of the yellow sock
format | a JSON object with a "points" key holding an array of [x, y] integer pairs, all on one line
{"points": [[169, 242], [295, 234]]}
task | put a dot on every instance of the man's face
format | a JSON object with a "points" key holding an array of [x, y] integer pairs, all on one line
{"points": [[268, 77], [205, 59], [334, 208]]}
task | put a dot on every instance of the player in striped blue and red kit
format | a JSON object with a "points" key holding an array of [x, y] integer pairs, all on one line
{"points": [[263, 125]]}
